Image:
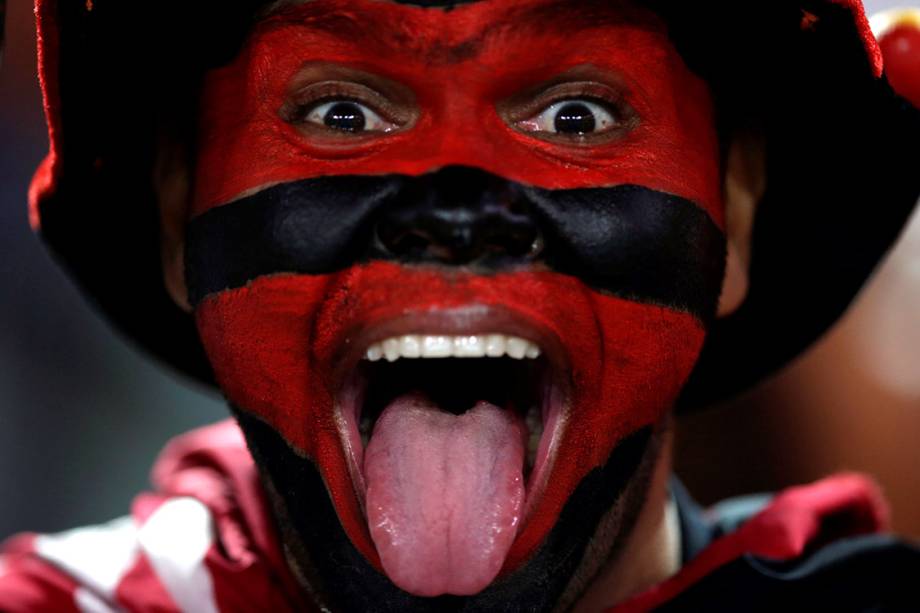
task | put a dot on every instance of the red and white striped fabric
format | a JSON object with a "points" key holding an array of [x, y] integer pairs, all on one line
{"points": [[202, 541]]}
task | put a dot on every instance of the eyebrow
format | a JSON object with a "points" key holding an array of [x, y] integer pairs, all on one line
{"points": [[556, 15], [345, 26]]}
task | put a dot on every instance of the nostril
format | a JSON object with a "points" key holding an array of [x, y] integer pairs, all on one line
{"points": [[488, 239], [406, 243], [516, 237], [452, 245], [462, 244]]}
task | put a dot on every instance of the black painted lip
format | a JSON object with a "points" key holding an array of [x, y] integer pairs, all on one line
{"points": [[472, 319]]}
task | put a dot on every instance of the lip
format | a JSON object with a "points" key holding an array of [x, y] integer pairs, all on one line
{"points": [[467, 320]]}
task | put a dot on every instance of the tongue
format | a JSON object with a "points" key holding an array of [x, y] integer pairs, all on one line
{"points": [[444, 494]]}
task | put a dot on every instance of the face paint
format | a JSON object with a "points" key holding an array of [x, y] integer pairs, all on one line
{"points": [[459, 67], [308, 248], [598, 235]]}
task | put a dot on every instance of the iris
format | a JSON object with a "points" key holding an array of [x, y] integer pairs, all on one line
{"points": [[345, 116], [575, 118]]}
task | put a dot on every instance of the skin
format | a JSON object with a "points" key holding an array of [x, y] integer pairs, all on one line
{"points": [[636, 545]]}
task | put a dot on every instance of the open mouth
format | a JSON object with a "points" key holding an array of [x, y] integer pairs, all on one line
{"points": [[450, 438], [504, 372]]}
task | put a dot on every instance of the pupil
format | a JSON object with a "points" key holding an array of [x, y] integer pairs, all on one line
{"points": [[575, 118], [345, 116]]}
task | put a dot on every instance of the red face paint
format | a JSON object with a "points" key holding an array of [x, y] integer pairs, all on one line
{"points": [[245, 144], [274, 345], [277, 343]]}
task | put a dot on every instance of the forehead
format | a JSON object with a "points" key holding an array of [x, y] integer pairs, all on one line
{"points": [[460, 30]]}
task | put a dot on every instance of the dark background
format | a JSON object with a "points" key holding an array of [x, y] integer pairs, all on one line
{"points": [[82, 414]]}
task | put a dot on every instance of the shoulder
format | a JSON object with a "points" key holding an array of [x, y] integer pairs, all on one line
{"points": [[869, 573], [103, 567], [818, 547], [202, 540]]}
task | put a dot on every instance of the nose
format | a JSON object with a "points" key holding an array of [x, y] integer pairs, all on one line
{"points": [[459, 216]]}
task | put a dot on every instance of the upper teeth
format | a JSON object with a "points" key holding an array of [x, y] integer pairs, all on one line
{"points": [[434, 346]]}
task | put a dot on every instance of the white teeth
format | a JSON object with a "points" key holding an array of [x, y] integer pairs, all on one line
{"points": [[516, 348], [439, 346], [374, 353], [495, 345], [410, 346], [391, 349], [469, 346]]}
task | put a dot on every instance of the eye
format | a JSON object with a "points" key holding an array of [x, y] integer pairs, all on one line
{"points": [[573, 117], [347, 116]]}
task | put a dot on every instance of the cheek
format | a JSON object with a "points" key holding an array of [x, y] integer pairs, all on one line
{"points": [[258, 339], [646, 354]]}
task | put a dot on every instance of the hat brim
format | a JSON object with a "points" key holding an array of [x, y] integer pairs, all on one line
{"points": [[843, 165]]}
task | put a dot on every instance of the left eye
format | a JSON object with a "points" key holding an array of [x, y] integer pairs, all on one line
{"points": [[574, 117], [348, 116]]}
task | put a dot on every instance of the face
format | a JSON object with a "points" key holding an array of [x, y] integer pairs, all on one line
{"points": [[451, 268]]}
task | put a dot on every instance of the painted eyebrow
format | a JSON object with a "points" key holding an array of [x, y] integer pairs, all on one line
{"points": [[554, 15], [281, 13]]}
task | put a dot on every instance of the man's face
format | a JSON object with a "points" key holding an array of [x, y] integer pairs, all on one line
{"points": [[451, 268]]}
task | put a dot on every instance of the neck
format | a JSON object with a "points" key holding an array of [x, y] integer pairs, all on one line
{"points": [[652, 551]]}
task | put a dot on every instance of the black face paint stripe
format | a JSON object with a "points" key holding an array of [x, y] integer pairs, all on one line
{"points": [[635, 243], [355, 585], [629, 241], [315, 226]]}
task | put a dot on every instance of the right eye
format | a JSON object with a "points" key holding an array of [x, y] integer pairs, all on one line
{"points": [[573, 117], [347, 116]]}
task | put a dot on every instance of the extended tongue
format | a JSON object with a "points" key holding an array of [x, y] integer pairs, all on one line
{"points": [[444, 494]]}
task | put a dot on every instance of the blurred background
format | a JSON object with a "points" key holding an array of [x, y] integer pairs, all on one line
{"points": [[82, 414]]}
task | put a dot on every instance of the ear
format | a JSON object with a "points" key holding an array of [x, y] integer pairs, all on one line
{"points": [[171, 178], [745, 182]]}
